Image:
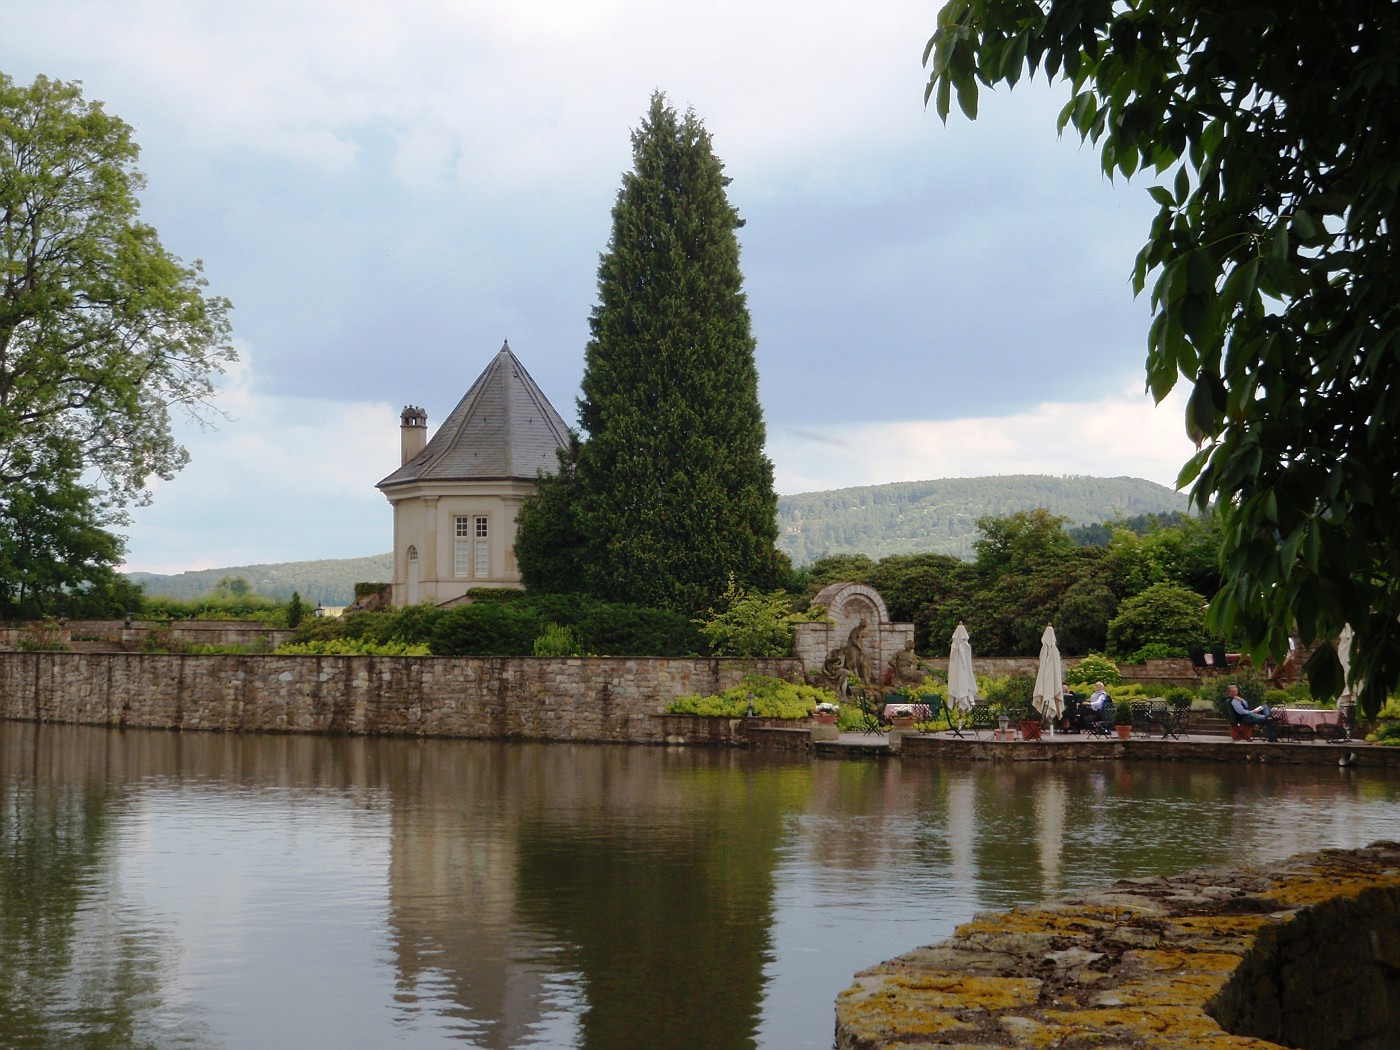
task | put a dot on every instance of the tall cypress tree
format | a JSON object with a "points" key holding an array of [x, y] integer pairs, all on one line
{"points": [[674, 492]]}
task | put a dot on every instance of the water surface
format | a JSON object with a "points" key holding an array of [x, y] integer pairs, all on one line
{"points": [[170, 890]]}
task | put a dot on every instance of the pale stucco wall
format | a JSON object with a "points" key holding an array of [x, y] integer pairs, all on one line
{"points": [[426, 520]]}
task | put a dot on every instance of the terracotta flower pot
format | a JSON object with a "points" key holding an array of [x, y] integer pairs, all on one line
{"points": [[825, 718], [1124, 732]]}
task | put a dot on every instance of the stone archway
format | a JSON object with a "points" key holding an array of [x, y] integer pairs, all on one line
{"points": [[847, 604]]}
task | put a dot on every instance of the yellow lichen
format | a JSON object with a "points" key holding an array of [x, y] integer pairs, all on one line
{"points": [[1150, 996], [1304, 891], [1179, 961], [1239, 925]]}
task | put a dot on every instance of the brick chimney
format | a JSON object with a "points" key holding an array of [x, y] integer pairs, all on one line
{"points": [[413, 431]]}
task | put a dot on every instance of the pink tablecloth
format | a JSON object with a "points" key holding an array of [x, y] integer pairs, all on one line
{"points": [[1309, 716]]}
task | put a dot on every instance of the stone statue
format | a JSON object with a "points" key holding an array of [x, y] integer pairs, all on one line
{"points": [[834, 673], [853, 653], [904, 666]]}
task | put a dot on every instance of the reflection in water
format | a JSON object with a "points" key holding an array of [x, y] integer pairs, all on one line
{"points": [[213, 891]]}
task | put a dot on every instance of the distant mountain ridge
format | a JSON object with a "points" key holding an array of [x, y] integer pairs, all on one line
{"points": [[908, 517], [940, 517], [330, 581]]}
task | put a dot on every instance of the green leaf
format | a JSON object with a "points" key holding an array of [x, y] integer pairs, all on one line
{"points": [[967, 96], [1161, 195]]}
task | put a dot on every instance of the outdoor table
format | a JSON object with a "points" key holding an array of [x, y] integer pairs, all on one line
{"points": [[1322, 721]]}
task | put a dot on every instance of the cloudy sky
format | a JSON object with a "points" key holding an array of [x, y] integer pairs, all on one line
{"points": [[388, 191]]}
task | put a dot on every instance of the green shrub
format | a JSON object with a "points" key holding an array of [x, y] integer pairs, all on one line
{"points": [[261, 647], [1123, 713], [1010, 692], [509, 627], [42, 645], [1164, 613], [772, 698], [1179, 696], [1094, 668], [162, 639], [1157, 651], [749, 623], [220, 605], [557, 640], [486, 630], [1250, 684], [352, 647], [1387, 733]]}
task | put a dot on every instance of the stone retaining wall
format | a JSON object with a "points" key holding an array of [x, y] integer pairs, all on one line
{"points": [[1303, 953], [596, 699], [119, 636]]}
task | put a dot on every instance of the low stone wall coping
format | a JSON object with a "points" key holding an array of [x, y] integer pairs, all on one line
{"points": [[1303, 953]]}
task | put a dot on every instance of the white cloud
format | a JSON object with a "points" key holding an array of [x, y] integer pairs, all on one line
{"points": [[282, 479], [386, 191], [1119, 435]]}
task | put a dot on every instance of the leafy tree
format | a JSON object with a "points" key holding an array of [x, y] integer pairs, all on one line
{"points": [[839, 568], [102, 331], [233, 587], [750, 623], [1275, 283], [296, 609], [1165, 614], [928, 590], [675, 494], [548, 539], [1011, 543], [55, 555], [1187, 553], [1082, 615]]}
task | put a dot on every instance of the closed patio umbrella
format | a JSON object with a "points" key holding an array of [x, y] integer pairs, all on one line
{"points": [[1048, 697], [962, 683], [1346, 703]]}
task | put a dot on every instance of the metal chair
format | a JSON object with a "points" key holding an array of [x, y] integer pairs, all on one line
{"points": [[1142, 717], [1096, 723], [1220, 658], [1198, 661], [871, 720], [981, 719], [926, 720], [1177, 721]]}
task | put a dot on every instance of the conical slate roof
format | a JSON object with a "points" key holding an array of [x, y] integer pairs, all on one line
{"points": [[503, 428]]}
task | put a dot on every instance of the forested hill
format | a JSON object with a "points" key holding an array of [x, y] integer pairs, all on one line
{"points": [[940, 517], [911, 517], [330, 581]]}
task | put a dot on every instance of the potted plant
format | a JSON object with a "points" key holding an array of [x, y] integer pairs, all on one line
{"points": [[826, 713], [901, 715], [1123, 719]]}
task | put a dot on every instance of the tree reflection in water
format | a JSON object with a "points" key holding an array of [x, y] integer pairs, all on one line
{"points": [[208, 890]]}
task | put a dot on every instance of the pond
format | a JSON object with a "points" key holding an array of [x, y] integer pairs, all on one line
{"points": [[170, 890]]}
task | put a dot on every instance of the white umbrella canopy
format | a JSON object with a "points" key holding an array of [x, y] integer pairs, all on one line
{"points": [[1047, 697], [962, 682], [1350, 690]]}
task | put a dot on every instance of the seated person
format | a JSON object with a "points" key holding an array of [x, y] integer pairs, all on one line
{"points": [[1097, 711], [1070, 720], [1241, 712]]}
